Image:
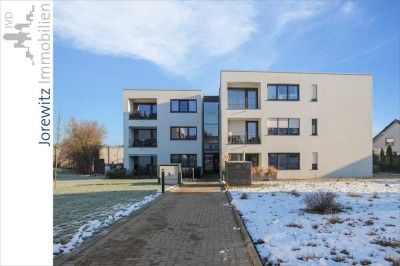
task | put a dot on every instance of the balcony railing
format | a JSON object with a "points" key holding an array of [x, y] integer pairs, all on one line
{"points": [[237, 103], [143, 116], [144, 143], [243, 138]]}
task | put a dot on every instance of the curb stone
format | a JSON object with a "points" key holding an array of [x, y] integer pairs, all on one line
{"points": [[63, 257], [246, 237]]}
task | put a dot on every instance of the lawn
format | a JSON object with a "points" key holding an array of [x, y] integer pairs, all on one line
{"points": [[284, 232], [84, 205]]}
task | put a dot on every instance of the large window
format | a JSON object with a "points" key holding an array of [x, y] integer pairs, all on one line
{"points": [[186, 160], [144, 138], [242, 98], [183, 133], [183, 106], [283, 126], [283, 92], [284, 161], [144, 111]]}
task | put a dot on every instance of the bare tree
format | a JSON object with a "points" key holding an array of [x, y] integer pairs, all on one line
{"points": [[82, 143], [57, 146]]}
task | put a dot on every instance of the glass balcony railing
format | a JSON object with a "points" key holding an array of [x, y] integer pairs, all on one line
{"points": [[144, 143], [143, 116]]}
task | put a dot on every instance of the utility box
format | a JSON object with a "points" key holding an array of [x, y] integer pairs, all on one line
{"points": [[238, 173], [172, 172]]}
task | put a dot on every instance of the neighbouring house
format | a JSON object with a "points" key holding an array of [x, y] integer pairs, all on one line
{"points": [[389, 136], [304, 124], [112, 154]]}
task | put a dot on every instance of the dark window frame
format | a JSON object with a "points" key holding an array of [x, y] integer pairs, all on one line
{"points": [[187, 160], [246, 98], [314, 133], [257, 136], [252, 154], [179, 127], [277, 128], [287, 92], [179, 105], [287, 160]]}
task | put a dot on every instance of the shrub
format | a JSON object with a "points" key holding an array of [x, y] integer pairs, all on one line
{"points": [[307, 256], [258, 170], [294, 224], [334, 219], [353, 195], [365, 262], [386, 242], [322, 202], [394, 260], [294, 193], [271, 170], [244, 196], [117, 173]]}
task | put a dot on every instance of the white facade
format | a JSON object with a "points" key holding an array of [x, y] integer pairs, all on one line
{"points": [[390, 135], [341, 103], [159, 147]]}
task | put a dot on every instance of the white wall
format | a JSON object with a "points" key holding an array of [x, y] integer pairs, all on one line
{"points": [[392, 132], [343, 110], [165, 119]]}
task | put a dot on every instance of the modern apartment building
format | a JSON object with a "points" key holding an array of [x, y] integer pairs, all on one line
{"points": [[304, 124], [162, 126]]}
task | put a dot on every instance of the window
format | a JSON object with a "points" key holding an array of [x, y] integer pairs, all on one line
{"points": [[236, 156], [252, 132], [253, 158], [314, 93], [183, 133], [283, 126], [144, 111], [144, 138], [186, 160], [314, 161], [314, 127], [283, 92], [389, 141], [183, 106], [242, 98], [284, 161]]}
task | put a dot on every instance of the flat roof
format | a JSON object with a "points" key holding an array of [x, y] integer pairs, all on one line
{"points": [[161, 89], [293, 72]]}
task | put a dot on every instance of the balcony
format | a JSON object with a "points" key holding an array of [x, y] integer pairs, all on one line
{"points": [[243, 138], [143, 116], [241, 98], [144, 143]]}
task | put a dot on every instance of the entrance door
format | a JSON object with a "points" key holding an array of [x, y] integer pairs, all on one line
{"points": [[211, 162]]}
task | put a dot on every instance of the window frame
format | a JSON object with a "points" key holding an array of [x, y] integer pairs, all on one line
{"points": [[179, 129], [180, 159], [276, 129], [246, 98], [287, 160], [179, 105], [277, 85], [312, 127]]}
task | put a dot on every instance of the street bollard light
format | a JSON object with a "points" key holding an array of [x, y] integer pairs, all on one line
{"points": [[162, 181], [192, 174]]}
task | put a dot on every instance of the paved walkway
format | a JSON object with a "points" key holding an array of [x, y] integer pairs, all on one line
{"points": [[193, 225]]}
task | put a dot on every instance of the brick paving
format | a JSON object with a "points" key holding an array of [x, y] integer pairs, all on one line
{"points": [[191, 226]]}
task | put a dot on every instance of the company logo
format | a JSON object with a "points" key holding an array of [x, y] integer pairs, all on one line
{"points": [[20, 36]]}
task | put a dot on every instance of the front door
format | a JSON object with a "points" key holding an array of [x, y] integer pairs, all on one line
{"points": [[211, 162]]}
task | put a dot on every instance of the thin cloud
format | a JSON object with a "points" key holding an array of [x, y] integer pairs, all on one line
{"points": [[175, 35]]}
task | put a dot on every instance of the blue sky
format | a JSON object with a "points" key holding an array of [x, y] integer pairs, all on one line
{"points": [[103, 47]]}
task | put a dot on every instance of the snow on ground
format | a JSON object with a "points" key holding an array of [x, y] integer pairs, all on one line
{"points": [[285, 234], [89, 228]]}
